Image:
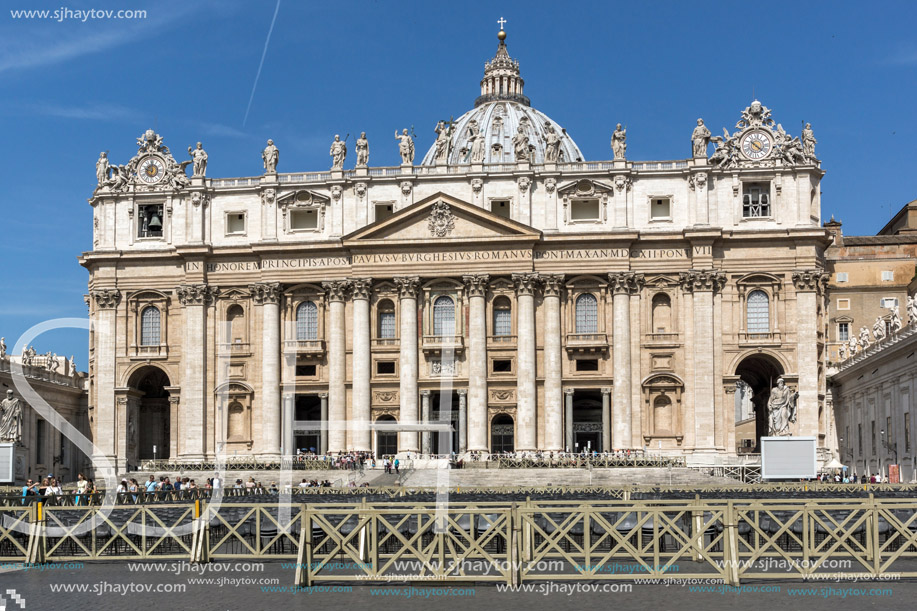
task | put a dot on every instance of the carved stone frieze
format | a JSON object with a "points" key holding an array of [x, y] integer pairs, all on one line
{"points": [[196, 294], [526, 284], [337, 290], [702, 280], [552, 284], [106, 298], [362, 287], [626, 283], [477, 184], [408, 286], [623, 183], [266, 292], [441, 222], [476, 284], [810, 280]]}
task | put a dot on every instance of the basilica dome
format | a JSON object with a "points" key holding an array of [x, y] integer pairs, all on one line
{"points": [[486, 133]]}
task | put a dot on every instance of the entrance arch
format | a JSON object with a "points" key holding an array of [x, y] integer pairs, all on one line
{"points": [[154, 413], [759, 372], [502, 434]]}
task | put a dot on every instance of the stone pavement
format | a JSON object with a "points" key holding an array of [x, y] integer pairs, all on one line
{"points": [[116, 586]]}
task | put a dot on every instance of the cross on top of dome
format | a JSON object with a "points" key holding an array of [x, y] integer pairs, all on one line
{"points": [[501, 76]]}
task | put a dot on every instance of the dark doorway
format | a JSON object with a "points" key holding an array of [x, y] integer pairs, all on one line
{"points": [[386, 441], [444, 410], [308, 408], [502, 434], [587, 421], [155, 416], [760, 372]]}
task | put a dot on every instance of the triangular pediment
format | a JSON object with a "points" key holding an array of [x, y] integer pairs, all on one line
{"points": [[441, 218]]}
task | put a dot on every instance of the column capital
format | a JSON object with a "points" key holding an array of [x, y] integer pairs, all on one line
{"points": [[265, 292], [425, 393], [626, 283], [196, 294], [569, 391], [553, 284], [407, 286], [606, 390], [476, 284], [461, 392], [362, 287], [808, 280], [702, 280], [526, 284], [337, 289], [322, 395], [106, 298]]}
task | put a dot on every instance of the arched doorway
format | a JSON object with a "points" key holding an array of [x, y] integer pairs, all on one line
{"points": [[759, 372], [154, 413], [386, 441], [502, 434]]}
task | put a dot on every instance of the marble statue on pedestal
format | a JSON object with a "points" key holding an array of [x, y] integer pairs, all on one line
{"points": [[102, 169], [475, 144], [521, 145], [894, 322], [71, 366], [443, 142], [864, 338], [743, 403], [551, 144], [852, 345], [270, 156], [405, 147], [912, 310], [781, 409], [10, 418], [2, 347], [842, 353], [808, 142], [619, 142], [362, 148], [199, 159], [878, 329], [338, 153], [700, 138]]}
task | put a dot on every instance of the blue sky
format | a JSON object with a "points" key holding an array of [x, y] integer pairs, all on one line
{"points": [[71, 89]]}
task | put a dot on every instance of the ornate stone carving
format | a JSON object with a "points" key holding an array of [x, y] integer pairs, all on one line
{"points": [[476, 284], [106, 298], [810, 280], [524, 182], [407, 286], [626, 283], [102, 169], [462, 392], [700, 138], [362, 148], [406, 188], [553, 284], [336, 289], [440, 222], [405, 147], [11, 418], [268, 196], [521, 145], [526, 284], [440, 368], [266, 292], [502, 395], [552, 142], [477, 184], [200, 199], [338, 153], [385, 396], [702, 280], [550, 184], [623, 182], [781, 409], [336, 192], [362, 287], [196, 294], [270, 156], [359, 189], [619, 142], [198, 161], [759, 141], [697, 180], [878, 329], [443, 144], [152, 168]]}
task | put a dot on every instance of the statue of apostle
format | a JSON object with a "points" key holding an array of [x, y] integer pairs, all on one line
{"points": [[338, 153], [362, 148], [521, 145], [405, 147], [270, 156], [102, 169], [199, 159], [10, 418], [700, 138], [781, 409], [619, 142]]}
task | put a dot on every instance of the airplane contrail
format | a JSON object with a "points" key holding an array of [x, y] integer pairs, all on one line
{"points": [[260, 65]]}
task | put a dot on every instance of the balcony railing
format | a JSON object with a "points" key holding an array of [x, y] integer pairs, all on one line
{"points": [[151, 352], [662, 338], [438, 343], [234, 348], [502, 340], [385, 342], [305, 346], [587, 342], [759, 338]]}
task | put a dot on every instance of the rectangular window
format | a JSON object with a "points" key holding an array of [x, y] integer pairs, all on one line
{"points": [[907, 432], [503, 322], [387, 325], [843, 331], [40, 434], [149, 221], [306, 371], [235, 223], [385, 368], [842, 276], [303, 220], [584, 210], [888, 302], [756, 200], [888, 276], [661, 208], [383, 211], [843, 304], [587, 365], [500, 207], [502, 366]]}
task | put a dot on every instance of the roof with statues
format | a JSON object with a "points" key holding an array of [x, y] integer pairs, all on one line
{"points": [[490, 132]]}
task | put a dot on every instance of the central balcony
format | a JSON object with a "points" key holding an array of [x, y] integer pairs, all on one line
{"points": [[313, 347], [587, 343], [436, 344], [759, 339]]}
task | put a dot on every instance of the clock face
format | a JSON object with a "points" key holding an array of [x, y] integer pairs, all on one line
{"points": [[756, 145], [151, 170]]}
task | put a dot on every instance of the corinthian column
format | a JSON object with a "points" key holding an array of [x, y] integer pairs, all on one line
{"points": [[810, 285], [195, 298], [553, 384], [703, 284], [526, 415], [623, 285], [337, 366], [426, 446], [268, 296], [104, 327], [407, 294], [477, 362], [463, 419], [362, 439]]}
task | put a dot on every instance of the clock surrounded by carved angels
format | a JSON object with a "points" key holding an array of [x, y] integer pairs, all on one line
{"points": [[756, 145], [151, 170]]}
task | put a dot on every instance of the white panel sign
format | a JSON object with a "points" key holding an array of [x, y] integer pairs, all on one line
{"points": [[788, 457], [7, 463]]}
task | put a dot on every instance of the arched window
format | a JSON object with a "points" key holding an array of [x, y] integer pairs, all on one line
{"points": [[306, 321], [149, 326], [503, 316], [662, 313], [443, 316], [758, 312], [587, 314], [235, 316], [386, 311]]}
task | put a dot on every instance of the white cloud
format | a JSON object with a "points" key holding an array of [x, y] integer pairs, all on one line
{"points": [[90, 112]]}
